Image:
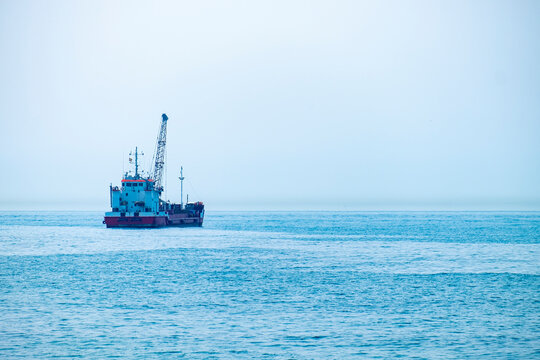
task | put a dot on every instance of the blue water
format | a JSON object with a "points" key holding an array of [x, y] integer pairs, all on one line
{"points": [[275, 285]]}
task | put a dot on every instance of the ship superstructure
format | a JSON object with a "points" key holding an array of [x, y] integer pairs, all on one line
{"points": [[137, 202]]}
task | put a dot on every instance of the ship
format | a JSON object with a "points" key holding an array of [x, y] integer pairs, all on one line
{"points": [[137, 202]]}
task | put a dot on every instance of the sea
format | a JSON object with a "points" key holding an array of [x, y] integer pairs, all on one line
{"points": [[272, 285]]}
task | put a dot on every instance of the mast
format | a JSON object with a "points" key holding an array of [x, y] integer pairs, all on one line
{"points": [[159, 155], [181, 187], [136, 160], [136, 163]]}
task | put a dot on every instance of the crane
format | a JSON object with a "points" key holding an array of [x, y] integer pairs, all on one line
{"points": [[159, 154]]}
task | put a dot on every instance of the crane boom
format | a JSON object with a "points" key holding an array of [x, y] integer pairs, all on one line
{"points": [[159, 154]]}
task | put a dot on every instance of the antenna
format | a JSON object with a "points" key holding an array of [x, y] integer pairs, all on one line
{"points": [[181, 187]]}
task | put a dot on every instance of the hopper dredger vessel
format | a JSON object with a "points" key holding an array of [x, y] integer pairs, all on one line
{"points": [[137, 202]]}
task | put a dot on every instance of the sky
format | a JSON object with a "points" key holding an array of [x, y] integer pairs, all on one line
{"points": [[274, 105]]}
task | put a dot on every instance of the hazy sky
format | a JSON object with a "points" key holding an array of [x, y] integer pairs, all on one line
{"points": [[274, 104]]}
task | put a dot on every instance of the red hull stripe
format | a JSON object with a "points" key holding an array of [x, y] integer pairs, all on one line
{"points": [[125, 180]]}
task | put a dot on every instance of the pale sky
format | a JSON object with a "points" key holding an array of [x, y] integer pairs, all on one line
{"points": [[347, 105]]}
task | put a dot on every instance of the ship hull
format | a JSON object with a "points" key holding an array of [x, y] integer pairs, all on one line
{"points": [[178, 220], [183, 220], [135, 221]]}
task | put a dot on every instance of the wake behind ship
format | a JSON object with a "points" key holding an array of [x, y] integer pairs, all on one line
{"points": [[137, 202]]}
